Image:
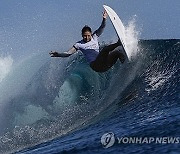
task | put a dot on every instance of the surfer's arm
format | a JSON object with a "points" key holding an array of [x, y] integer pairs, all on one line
{"points": [[100, 30], [63, 54]]}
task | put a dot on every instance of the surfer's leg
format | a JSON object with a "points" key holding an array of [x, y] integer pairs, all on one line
{"points": [[110, 47], [114, 56], [106, 59]]}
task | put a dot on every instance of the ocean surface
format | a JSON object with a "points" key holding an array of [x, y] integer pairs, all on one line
{"points": [[62, 106]]}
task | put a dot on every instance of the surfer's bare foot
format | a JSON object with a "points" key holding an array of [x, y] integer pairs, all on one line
{"points": [[119, 42], [122, 58]]}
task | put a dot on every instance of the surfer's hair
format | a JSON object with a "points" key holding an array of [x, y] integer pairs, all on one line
{"points": [[85, 29]]}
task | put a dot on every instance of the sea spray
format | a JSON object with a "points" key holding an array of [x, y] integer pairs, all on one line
{"points": [[132, 35], [5, 66]]}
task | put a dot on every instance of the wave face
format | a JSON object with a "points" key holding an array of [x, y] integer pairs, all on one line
{"points": [[41, 101]]}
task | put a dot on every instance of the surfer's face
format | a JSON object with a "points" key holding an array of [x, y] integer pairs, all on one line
{"points": [[87, 36]]}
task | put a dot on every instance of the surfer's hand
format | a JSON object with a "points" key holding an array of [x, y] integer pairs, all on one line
{"points": [[54, 54], [105, 14]]}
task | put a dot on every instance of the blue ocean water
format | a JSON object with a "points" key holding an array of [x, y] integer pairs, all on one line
{"points": [[65, 107]]}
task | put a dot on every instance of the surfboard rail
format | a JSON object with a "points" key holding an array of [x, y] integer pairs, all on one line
{"points": [[119, 28]]}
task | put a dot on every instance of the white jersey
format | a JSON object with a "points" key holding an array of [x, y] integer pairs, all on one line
{"points": [[89, 49]]}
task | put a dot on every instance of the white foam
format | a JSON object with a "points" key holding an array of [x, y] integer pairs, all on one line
{"points": [[132, 37], [5, 66], [158, 79]]}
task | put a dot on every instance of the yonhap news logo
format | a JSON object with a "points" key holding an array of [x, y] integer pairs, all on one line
{"points": [[109, 139]]}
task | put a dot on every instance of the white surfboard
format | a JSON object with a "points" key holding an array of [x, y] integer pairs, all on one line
{"points": [[119, 27]]}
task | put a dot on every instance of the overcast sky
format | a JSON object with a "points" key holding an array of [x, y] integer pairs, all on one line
{"points": [[41, 25]]}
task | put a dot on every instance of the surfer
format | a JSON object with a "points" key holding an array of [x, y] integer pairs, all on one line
{"points": [[100, 61]]}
